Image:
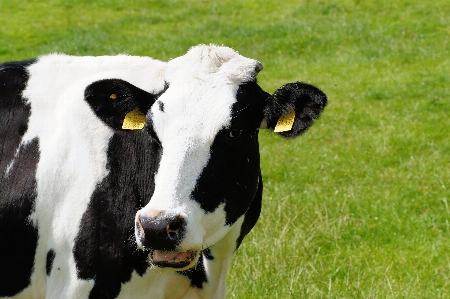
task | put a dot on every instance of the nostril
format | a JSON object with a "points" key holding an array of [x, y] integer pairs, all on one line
{"points": [[176, 223], [174, 227], [172, 234]]}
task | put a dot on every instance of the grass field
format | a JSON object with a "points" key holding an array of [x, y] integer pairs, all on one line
{"points": [[358, 207]]}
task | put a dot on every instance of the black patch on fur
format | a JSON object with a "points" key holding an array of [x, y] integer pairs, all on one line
{"points": [[112, 99], [197, 274], [18, 237], [150, 130], [231, 174], [105, 247], [49, 261], [14, 111], [250, 101], [252, 214], [307, 100], [207, 254]]}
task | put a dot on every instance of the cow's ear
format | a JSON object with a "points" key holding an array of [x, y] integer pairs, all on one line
{"points": [[290, 111], [118, 103]]}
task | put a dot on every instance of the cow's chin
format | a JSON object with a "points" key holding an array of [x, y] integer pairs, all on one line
{"points": [[174, 259]]}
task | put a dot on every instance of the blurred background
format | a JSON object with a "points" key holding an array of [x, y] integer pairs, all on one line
{"points": [[357, 207]]}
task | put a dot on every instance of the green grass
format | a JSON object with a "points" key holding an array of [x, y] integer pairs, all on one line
{"points": [[358, 207]]}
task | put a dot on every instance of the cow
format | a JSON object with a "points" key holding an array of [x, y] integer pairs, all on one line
{"points": [[129, 177]]}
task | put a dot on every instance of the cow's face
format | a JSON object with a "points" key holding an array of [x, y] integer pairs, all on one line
{"points": [[209, 167], [206, 122]]}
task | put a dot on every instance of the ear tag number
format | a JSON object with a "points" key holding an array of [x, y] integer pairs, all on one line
{"points": [[285, 122], [134, 120]]}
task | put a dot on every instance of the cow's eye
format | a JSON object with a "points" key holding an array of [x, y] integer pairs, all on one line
{"points": [[235, 133]]}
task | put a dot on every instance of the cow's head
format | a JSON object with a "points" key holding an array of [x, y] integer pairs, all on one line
{"points": [[206, 122]]}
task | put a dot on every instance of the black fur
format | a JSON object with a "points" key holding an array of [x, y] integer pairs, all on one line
{"points": [[231, 175], [250, 102], [105, 248], [207, 254], [18, 237], [14, 112], [49, 261], [252, 214], [197, 274], [308, 102]]}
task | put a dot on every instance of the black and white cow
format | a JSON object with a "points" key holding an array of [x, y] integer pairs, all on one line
{"points": [[91, 209]]}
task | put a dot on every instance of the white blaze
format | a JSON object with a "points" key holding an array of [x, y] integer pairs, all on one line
{"points": [[203, 85]]}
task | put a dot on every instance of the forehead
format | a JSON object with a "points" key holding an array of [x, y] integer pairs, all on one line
{"points": [[202, 90]]}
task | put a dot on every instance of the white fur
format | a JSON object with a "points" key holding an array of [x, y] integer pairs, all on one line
{"points": [[73, 144]]}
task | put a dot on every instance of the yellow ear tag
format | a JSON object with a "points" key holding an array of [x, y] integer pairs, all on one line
{"points": [[134, 120], [113, 96], [285, 122]]}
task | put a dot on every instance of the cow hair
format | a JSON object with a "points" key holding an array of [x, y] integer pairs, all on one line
{"points": [[306, 100]]}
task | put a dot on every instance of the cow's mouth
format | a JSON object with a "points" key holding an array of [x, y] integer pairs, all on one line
{"points": [[172, 259]]}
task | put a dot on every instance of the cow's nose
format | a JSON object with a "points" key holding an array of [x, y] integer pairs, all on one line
{"points": [[162, 232]]}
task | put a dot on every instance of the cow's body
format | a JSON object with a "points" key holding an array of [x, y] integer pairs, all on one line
{"points": [[86, 207]]}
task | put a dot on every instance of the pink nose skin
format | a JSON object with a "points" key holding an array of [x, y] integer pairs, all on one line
{"points": [[162, 232]]}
